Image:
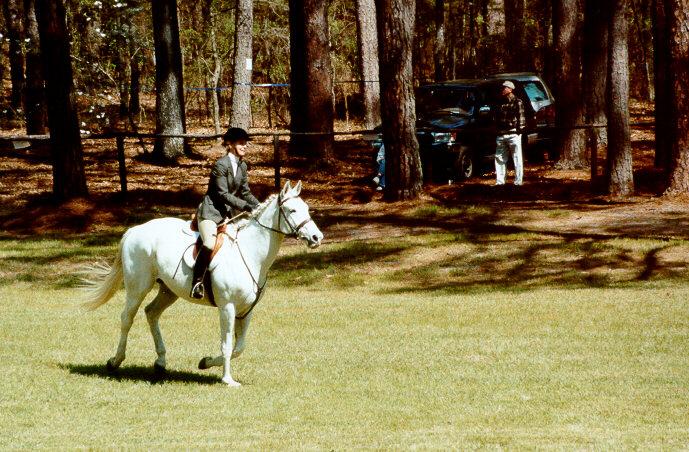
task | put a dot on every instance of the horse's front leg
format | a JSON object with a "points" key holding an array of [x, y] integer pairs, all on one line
{"points": [[227, 314], [241, 326]]}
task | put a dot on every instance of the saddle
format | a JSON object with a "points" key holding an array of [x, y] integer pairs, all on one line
{"points": [[219, 238]]}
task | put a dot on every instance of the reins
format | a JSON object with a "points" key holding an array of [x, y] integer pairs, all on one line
{"points": [[294, 232]]}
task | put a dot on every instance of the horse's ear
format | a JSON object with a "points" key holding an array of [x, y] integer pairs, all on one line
{"points": [[297, 188], [286, 188]]}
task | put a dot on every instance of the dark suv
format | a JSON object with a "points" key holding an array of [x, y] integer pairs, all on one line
{"points": [[455, 122]]}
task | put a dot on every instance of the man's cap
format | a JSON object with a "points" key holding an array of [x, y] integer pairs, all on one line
{"points": [[508, 84], [235, 134]]}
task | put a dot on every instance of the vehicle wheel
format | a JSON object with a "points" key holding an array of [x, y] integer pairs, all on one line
{"points": [[464, 164]]}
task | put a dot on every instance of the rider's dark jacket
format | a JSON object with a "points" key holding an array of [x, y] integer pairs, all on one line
{"points": [[228, 194], [509, 115]]}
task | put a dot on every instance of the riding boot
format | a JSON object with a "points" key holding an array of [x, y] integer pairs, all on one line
{"points": [[200, 266]]}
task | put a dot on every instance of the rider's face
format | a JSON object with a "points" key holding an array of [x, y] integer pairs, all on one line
{"points": [[238, 148]]}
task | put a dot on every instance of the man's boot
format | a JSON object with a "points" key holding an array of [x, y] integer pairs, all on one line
{"points": [[200, 266]]}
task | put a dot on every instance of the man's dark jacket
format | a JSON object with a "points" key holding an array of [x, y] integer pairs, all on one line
{"points": [[227, 194], [509, 115]]}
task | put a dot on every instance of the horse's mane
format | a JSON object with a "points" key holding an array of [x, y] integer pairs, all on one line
{"points": [[257, 211]]}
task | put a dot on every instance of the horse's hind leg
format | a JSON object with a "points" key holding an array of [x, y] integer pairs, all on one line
{"points": [[135, 295], [154, 309]]}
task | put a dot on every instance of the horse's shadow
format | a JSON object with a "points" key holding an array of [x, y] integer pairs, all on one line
{"points": [[139, 373]]}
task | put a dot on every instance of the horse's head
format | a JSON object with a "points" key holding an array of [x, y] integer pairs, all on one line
{"points": [[296, 217]]}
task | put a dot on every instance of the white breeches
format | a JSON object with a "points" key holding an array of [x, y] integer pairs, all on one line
{"points": [[208, 230], [506, 145]]}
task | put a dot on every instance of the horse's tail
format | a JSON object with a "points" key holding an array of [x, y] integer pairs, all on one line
{"points": [[101, 281]]}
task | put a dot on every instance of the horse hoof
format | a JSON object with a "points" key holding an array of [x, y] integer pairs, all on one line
{"points": [[158, 369], [204, 363], [231, 383], [110, 367]]}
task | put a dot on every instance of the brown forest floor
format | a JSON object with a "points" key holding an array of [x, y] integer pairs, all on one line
{"points": [[345, 203]]}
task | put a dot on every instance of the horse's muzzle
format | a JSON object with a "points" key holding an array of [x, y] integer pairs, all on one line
{"points": [[313, 239]]}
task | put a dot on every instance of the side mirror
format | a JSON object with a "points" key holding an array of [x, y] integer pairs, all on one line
{"points": [[484, 111]]}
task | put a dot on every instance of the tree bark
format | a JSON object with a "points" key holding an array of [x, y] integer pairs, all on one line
{"points": [[215, 79], [619, 163], [35, 109], [170, 116], [240, 115], [13, 22], [439, 49], [661, 62], [134, 86], [515, 27], [368, 61], [640, 59], [595, 67], [402, 162], [568, 89], [69, 180], [678, 18], [311, 81]]}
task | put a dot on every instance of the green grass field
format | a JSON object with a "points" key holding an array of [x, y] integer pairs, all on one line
{"points": [[434, 341]]}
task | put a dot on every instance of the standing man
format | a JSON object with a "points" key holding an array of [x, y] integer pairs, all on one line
{"points": [[509, 121]]}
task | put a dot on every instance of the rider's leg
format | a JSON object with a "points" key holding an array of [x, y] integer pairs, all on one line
{"points": [[208, 230]]}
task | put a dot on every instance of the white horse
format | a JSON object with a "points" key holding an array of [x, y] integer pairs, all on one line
{"points": [[153, 252]]}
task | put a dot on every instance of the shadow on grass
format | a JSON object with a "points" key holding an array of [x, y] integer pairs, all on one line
{"points": [[495, 258], [139, 373]]}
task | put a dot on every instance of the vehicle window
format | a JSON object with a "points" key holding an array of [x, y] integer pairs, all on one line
{"points": [[535, 91], [434, 99]]}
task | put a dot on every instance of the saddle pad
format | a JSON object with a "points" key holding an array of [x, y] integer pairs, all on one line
{"points": [[191, 252]]}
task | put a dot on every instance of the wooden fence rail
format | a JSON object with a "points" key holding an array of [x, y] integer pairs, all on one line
{"points": [[119, 138]]}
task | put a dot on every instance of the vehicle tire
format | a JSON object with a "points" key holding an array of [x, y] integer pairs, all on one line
{"points": [[464, 167]]}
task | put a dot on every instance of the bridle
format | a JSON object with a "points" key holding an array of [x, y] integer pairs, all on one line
{"points": [[294, 229], [294, 232]]}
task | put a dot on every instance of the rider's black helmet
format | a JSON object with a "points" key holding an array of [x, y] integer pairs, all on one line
{"points": [[235, 134]]}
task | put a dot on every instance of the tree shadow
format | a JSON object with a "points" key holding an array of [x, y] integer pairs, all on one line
{"points": [[139, 373]]}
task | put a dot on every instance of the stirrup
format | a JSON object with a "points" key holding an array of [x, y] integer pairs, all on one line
{"points": [[197, 291]]}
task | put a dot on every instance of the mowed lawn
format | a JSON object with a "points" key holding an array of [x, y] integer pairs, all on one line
{"points": [[361, 345]]}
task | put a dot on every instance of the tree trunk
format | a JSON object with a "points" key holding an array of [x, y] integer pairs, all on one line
{"points": [[678, 18], [35, 109], [640, 59], [568, 90], [439, 49], [69, 180], [240, 115], [170, 118], [311, 81], [545, 45], [454, 53], [619, 164], [661, 62], [134, 86], [402, 162], [13, 22], [368, 61], [515, 27], [215, 78], [595, 67]]}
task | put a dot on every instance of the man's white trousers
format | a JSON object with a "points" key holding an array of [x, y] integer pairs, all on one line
{"points": [[506, 145]]}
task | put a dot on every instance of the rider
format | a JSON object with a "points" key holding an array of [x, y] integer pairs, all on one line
{"points": [[228, 195]]}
